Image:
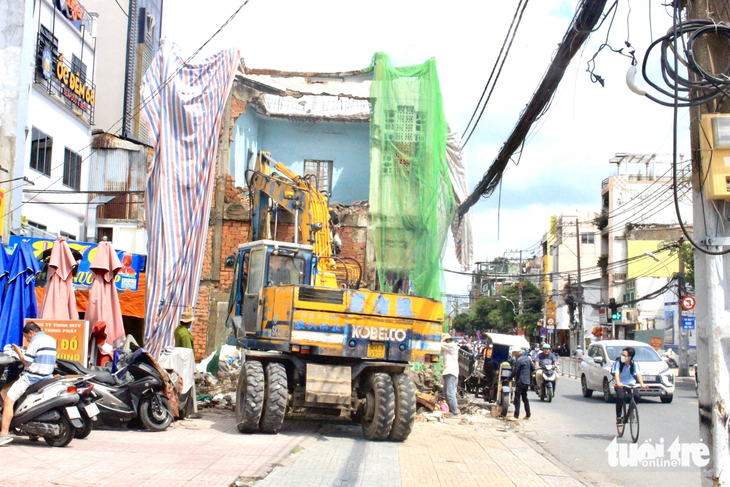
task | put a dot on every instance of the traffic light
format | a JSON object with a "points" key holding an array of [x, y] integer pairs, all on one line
{"points": [[613, 312], [570, 301]]}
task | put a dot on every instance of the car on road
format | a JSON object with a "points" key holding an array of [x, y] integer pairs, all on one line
{"points": [[595, 370]]}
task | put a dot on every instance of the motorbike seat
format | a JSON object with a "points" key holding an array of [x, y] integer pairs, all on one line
{"points": [[99, 375], [41, 384]]}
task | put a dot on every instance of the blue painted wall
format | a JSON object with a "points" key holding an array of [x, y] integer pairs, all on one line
{"points": [[291, 142], [246, 137]]}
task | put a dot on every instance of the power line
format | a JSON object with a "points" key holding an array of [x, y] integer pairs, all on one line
{"points": [[121, 8], [588, 14], [513, 33]]}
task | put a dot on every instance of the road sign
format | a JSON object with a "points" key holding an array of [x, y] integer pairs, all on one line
{"points": [[543, 331], [688, 322], [551, 321], [551, 330], [688, 303]]}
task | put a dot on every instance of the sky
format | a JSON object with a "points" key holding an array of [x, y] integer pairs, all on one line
{"points": [[566, 154]]}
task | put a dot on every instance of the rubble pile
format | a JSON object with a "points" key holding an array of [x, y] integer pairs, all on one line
{"points": [[431, 401], [219, 390]]}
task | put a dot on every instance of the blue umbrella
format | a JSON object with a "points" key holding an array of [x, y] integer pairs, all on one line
{"points": [[4, 268], [19, 301]]}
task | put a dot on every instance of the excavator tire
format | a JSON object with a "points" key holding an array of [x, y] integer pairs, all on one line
{"points": [[380, 408], [405, 407], [250, 396], [276, 395]]}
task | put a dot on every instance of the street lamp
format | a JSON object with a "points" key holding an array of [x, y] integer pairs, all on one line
{"points": [[514, 308], [649, 254]]}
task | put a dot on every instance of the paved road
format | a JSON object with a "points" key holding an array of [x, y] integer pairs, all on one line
{"points": [[577, 432]]}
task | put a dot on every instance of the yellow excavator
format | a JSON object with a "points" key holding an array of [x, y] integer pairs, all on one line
{"points": [[312, 339]]}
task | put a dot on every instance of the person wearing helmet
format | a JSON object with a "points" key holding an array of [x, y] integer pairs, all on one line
{"points": [[544, 358]]}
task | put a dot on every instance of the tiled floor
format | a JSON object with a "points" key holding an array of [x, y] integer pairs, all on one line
{"points": [[207, 452]]}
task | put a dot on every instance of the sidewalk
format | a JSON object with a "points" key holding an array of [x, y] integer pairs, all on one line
{"points": [[204, 452], [436, 454]]}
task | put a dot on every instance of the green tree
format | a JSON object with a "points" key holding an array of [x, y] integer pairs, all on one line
{"points": [[531, 306], [480, 313], [462, 323]]}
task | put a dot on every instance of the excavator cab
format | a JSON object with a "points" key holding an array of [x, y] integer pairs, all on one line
{"points": [[257, 266]]}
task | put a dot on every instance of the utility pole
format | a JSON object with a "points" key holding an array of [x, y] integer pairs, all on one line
{"points": [[556, 283], [683, 334], [579, 301], [711, 271]]}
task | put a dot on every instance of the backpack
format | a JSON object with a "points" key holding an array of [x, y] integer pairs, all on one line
{"points": [[632, 368]]}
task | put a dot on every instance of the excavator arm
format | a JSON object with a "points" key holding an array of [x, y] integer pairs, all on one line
{"points": [[270, 182]]}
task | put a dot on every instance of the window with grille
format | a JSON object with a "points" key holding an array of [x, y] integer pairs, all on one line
{"points": [[78, 67], [587, 238], [71, 169], [403, 129], [40, 152], [102, 232], [322, 170], [37, 225]]}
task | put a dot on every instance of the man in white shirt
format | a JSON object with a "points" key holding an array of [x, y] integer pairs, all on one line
{"points": [[39, 361], [450, 352]]}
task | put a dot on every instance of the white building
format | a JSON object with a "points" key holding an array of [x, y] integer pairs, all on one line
{"points": [[560, 260], [60, 115], [638, 201]]}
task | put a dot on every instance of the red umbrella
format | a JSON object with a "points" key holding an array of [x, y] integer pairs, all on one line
{"points": [[59, 300], [103, 298]]}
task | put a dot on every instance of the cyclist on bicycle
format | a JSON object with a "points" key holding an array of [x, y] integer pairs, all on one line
{"points": [[626, 372]]}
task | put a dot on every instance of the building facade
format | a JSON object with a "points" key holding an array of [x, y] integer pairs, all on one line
{"points": [[129, 36], [561, 243], [61, 110], [639, 233]]}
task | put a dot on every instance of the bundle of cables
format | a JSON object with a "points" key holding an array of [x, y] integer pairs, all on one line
{"points": [[683, 91], [707, 86]]}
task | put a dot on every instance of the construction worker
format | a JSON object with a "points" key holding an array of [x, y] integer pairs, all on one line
{"points": [[183, 337]]}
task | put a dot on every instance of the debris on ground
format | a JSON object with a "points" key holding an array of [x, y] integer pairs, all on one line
{"points": [[219, 390]]}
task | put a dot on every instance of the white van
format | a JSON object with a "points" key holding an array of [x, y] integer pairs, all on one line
{"points": [[598, 361]]}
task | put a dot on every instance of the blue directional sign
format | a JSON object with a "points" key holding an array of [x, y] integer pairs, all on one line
{"points": [[688, 322]]}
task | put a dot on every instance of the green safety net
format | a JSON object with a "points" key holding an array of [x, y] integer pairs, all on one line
{"points": [[411, 198]]}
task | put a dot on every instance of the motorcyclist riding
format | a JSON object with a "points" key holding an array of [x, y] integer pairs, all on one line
{"points": [[545, 358]]}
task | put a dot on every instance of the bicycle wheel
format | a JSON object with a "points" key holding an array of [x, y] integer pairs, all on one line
{"points": [[634, 421], [620, 428]]}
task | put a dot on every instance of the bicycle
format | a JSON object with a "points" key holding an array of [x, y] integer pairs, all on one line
{"points": [[630, 415]]}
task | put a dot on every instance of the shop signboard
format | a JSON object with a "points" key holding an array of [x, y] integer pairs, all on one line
{"points": [[72, 338], [127, 279]]}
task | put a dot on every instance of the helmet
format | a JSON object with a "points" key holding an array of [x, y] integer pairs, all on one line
{"points": [[546, 347]]}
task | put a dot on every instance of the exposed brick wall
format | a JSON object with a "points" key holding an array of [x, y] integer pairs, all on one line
{"points": [[237, 230]]}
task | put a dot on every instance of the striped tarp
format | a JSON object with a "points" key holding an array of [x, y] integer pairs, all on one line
{"points": [[460, 226], [183, 110]]}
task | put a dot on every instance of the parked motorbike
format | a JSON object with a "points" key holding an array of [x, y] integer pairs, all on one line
{"points": [[50, 407], [135, 390], [506, 390], [547, 388]]}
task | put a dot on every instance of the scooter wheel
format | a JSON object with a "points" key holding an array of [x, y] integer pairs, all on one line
{"points": [[155, 417], [84, 431], [65, 435]]}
